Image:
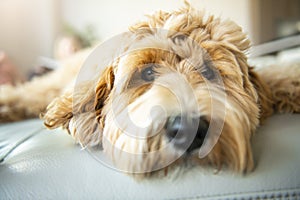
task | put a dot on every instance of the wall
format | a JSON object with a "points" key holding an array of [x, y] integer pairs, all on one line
{"points": [[28, 29], [114, 16]]}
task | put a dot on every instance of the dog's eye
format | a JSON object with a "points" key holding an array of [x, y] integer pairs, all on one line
{"points": [[208, 72], [148, 74]]}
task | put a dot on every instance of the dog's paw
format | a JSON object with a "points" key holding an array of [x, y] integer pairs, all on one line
{"points": [[11, 108]]}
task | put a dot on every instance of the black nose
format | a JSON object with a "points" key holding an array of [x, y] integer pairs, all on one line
{"points": [[187, 133]]}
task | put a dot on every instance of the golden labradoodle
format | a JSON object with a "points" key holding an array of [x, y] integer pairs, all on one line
{"points": [[182, 90]]}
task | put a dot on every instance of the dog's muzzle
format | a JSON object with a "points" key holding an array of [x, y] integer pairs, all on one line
{"points": [[186, 133]]}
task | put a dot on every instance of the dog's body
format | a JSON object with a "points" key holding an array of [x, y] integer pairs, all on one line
{"points": [[189, 74]]}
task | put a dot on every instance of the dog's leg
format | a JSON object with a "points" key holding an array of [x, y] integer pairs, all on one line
{"points": [[31, 98], [284, 82], [27, 100]]}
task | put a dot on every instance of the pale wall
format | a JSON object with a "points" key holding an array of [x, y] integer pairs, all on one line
{"points": [[111, 16], [114, 16], [29, 27]]}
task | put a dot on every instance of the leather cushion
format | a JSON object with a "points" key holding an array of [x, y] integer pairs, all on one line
{"points": [[47, 164]]}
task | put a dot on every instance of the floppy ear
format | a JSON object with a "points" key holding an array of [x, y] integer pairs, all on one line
{"points": [[264, 95], [233, 38], [103, 89], [79, 111]]}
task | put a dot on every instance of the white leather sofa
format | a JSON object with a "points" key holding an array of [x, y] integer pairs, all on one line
{"points": [[42, 164]]}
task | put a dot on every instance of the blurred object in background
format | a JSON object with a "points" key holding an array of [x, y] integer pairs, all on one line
{"points": [[73, 40], [288, 27], [43, 66], [277, 19], [67, 44], [8, 71], [39, 71]]}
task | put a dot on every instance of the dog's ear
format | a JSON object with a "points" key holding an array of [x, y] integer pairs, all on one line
{"points": [[79, 111], [103, 90], [263, 93]]}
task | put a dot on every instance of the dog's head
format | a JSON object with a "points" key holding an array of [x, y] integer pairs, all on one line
{"points": [[181, 90]]}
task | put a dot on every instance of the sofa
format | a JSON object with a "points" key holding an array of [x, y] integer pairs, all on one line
{"points": [[40, 164]]}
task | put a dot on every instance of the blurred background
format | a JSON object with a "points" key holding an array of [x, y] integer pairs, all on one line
{"points": [[56, 28]]}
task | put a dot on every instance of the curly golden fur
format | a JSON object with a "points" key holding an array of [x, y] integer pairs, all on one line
{"points": [[98, 111]]}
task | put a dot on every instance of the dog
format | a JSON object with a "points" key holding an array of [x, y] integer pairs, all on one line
{"points": [[181, 91]]}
